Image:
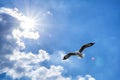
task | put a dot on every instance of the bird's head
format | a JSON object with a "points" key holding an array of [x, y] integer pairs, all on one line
{"points": [[65, 57], [90, 44]]}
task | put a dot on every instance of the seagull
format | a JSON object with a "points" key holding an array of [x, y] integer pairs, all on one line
{"points": [[78, 53]]}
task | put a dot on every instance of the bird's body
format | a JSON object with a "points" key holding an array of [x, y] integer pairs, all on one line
{"points": [[78, 52]]}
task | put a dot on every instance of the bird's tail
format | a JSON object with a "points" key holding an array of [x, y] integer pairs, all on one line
{"points": [[80, 55]]}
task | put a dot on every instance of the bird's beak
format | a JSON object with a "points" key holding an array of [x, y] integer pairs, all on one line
{"points": [[64, 59]]}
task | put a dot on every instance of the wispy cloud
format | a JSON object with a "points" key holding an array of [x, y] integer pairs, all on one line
{"points": [[28, 64]]}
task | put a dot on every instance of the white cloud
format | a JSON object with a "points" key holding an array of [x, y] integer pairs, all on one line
{"points": [[54, 71], [12, 12], [20, 30], [25, 23], [81, 78], [30, 57], [17, 34], [25, 34], [86, 77], [28, 64], [21, 44]]}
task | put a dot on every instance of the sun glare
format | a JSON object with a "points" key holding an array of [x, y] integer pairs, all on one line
{"points": [[28, 23]]}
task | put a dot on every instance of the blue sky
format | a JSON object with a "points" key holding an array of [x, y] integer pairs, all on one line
{"points": [[60, 27]]}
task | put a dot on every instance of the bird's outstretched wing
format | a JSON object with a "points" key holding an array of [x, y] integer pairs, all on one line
{"points": [[85, 46], [68, 55]]}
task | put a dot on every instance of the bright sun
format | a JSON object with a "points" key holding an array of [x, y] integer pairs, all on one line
{"points": [[28, 23]]}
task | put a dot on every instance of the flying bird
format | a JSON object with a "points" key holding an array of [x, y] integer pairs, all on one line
{"points": [[78, 53]]}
